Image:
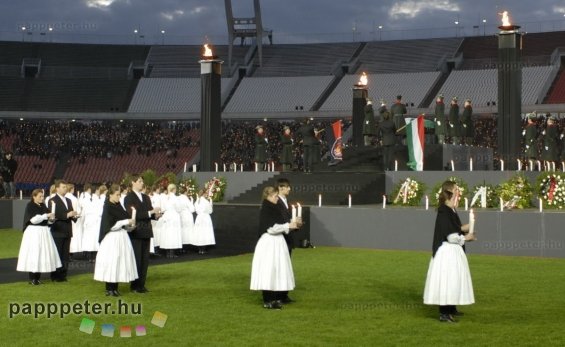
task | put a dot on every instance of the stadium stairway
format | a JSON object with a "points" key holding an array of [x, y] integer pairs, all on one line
{"points": [[364, 187]]}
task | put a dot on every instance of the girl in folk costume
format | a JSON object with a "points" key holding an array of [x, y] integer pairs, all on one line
{"points": [[186, 203], [203, 228], [171, 232], [271, 270], [155, 196], [115, 261], [448, 282], [91, 228], [38, 252], [52, 192], [76, 240]]}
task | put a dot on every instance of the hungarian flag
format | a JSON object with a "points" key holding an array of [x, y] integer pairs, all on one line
{"points": [[415, 140]]}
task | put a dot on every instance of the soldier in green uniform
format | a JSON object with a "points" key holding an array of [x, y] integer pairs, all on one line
{"points": [[286, 155], [530, 141], [550, 141], [369, 129], [439, 120], [468, 129], [382, 110], [260, 147], [387, 131], [398, 110], [454, 123]]}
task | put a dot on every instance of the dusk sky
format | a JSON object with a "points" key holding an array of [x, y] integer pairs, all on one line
{"points": [[190, 21]]}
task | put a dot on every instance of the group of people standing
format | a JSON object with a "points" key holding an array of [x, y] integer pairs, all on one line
{"points": [[544, 142], [458, 128], [122, 231]]}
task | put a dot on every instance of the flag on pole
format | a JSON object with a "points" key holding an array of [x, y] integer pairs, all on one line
{"points": [[415, 140], [334, 138]]}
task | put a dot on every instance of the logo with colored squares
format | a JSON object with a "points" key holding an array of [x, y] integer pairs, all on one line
{"points": [[87, 326]]}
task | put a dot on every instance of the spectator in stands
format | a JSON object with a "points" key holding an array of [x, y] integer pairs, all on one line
{"points": [[9, 168], [369, 128], [439, 120], [286, 154], [467, 130], [261, 142], [454, 122], [398, 110]]}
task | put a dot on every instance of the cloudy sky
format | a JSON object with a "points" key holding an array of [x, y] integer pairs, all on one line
{"points": [[190, 21]]}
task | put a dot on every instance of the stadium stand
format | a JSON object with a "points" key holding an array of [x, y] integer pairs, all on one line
{"points": [[277, 94], [557, 94], [407, 55], [412, 86]]}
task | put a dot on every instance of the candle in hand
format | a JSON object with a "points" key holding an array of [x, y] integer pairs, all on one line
{"points": [[299, 210], [452, 166], [319, 200], [349, 200], [293, 213], [216, 165], [470, 164], [471, 221], [501, 165], [133, 214]]}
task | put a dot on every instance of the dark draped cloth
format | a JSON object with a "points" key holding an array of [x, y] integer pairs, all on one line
{"points": [[447, 222], [32, 210], [111, 214], [270, 215]]}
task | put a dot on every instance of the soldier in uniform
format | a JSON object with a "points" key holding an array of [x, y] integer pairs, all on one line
{"points": [[369, 129], [308, 135], [550, 151], [468, 129], [439, 120], [387, 131], [530, 141], [454, 124], [260, 147], [286, 155], [382, 109], [398, 111]]}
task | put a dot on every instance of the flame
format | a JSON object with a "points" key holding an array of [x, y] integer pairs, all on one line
{"points": [[505, 19], [363, 79], [208, 51]]}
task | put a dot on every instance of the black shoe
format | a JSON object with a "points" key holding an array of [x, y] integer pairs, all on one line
{"points": [[446, 318], [109, 292], [272, 305], [115, 293], [34, 282], [286, 300]]}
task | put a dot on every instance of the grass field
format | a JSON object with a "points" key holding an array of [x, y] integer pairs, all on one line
{"points": [[10, 240], [346, 297]]}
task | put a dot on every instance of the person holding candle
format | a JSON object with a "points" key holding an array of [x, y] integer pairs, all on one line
{"points": [[115, 261], [284, 189], [203, 227], [140, 237], [308, 135], [62, 228], [186, 202], [38, 252], [387, 131], [530, 134], [550, 150], [448, 281], [271, 270]]}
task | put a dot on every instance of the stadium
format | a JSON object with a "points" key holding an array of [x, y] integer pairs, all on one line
{"points": [[97, 113]]}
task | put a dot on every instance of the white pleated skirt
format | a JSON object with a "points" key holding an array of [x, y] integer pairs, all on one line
{"points": [[156, 226], [187, 223], [76, 240], [171, 231], [203, 231], [38, 252], [271, 268], [449, 280], [91, 233], [115, 261]]}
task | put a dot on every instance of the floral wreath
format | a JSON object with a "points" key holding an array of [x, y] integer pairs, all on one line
{"points": [[216, 188], [408, 192], [491, 199], [551, 189], [516, 192], [463, 189], [190, 186]]}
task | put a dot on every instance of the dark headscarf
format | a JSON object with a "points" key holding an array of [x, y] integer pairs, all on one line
{"points": [[447, 222], [111, 214], [269, 215]]}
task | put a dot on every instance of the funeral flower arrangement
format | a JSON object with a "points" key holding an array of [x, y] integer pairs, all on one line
{"points": [[190, 186], [408, 192], [216, 188], [516, 192], [551, 189], [463, 188], [491, 198]]}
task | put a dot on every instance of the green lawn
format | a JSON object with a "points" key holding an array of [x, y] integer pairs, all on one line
{"points": [[353, 297], [10, 240]]}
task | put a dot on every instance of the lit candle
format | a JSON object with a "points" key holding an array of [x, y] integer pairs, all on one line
{"points": [[519, 165], [501, 165], [52, 207], [21, 195], [563, 166], [273, 166], [540, 205], [452, 165], [531, 165], [293, 213], [471, 221], [539, 165], [470, 164], [501, 204], [193, 167], [553, 166], [224, 167], [319, 200], [384, 201], [349, 200], [466, 204], [299, 210], [396, 165], [216, 165], [256, 167], [241, 167], [133, 213], [185, 166], [234, 167], [427, 203]]}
